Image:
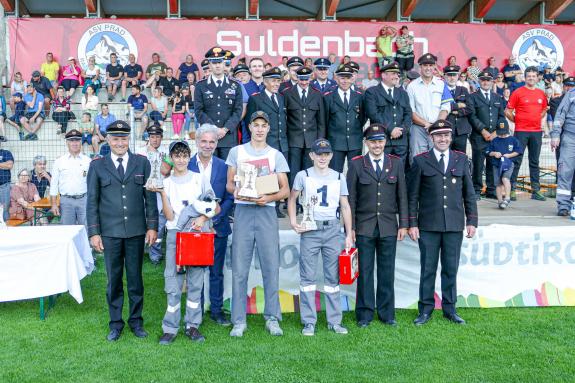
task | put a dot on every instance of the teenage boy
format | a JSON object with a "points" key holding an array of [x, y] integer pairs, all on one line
{"points": [[329, 188]]}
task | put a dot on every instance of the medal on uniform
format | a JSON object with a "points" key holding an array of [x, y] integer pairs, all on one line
{"points": [[307, 221], [248, 188], [155, 180]]}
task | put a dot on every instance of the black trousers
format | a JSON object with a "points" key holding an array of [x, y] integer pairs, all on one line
{"points": [[532, 142], [128, 253], [298, 159], [398, 150], [338, 160], [459, 142], [435, 246], [557, 154], [380, 250], [478, 158], [222, 153], [405, 63]]}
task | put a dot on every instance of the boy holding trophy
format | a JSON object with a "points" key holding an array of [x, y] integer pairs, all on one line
{"points": [[325, 196]]}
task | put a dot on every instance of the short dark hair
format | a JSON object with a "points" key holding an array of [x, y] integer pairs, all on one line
{"points": [[473, 58], [179, 150], [87, 114], [531, 69], [104, 105]]}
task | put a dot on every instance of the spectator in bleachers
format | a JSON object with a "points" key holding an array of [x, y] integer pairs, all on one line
{"points": [[86, 127], [71, 76], [40, 177], [308, 62], [472, 72], [6, 164], [268, 66], [510, 71], [19, 111], [463, 81], [169, 84], [499, 85], [506, 95], [44, 87], [34, 116], [22, 194], [540, 81], [283, 65], [334, 64], [2, 118], [452, 61], [190, 80], [188, 96], [178, 112], [205, 68], [18, 85], [188, 66], [491, 67], [91, 76], [114, 75], [557, 85], [102, 121], [61, 110], [383, 43], [158, 106], [368, 82], [90, 102], [404, 54], [50, 69], [132, 75], [154, 71], [139, 102]]}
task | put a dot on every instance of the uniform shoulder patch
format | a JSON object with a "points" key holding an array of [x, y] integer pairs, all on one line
{"points": [[254, 93], [98, 158], [421, 154], [328, 92], [394, 156], [357, 91]]}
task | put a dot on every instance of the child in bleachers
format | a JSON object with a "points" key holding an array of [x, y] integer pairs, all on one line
{"points": [[19, 111], [86, 127]]}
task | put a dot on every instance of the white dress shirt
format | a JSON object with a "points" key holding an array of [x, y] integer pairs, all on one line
{"points": [[300, 90], [270, 94], [69, 175], [387, 88], [124, 161], [341, 93], [445, 157], [374, 165], [206, 172]]}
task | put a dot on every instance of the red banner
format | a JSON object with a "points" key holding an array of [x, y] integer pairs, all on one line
{"points": [[31, 38]]}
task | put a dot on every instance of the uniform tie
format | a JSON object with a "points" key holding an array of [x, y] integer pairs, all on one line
{"points": [[442, 162], [322, 88], [390, 91], [377, 168], [486, 94], [345, 101], [219, 82], [303, 96], [120, 168], [275, 101]]}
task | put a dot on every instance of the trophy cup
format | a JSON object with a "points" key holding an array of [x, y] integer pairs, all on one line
{"points": [[155, 180], [248, 188], [2, 223], [307, 222]]}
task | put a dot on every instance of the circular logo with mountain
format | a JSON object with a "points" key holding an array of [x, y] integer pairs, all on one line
{"points": [[540, 48], [101, 40]]}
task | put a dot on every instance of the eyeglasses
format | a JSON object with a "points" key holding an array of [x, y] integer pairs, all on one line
{"points": [[24, 175]]}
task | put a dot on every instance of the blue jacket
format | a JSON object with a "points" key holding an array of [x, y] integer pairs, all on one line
{"points": [[218, 181]]}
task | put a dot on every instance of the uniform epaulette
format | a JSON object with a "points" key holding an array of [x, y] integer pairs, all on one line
{"points": [[315, 90], [141, 155], [394, 156], [328, 92], [357, 91], [356, 157], [97, 158], [254, 93], [421, 154], [234, 80], [460, 152], [199, 81]]}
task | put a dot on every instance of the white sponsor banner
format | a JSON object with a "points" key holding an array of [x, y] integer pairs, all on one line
{"points": [[502, 265]]}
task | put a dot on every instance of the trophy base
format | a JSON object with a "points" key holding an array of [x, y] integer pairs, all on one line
{"points": [[309, 225], [248, 193]]}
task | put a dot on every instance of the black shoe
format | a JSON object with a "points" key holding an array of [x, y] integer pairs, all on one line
{"points": [[2, 139], [279, 214], [114, 335], [389, 322], [422, 319], [563, 213], [139, 332], [194, 335], [454, 318], [221, 320], [167, 339], [363, 323]]}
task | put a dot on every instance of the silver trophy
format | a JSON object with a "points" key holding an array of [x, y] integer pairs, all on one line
{"points": [[248, 188], [307, 221], [155, 181]]}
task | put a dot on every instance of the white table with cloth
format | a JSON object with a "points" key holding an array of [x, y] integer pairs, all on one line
{"points": [[42, 261]]}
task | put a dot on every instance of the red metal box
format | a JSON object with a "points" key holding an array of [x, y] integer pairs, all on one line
{"points": [[195, 249], [348, 266]]}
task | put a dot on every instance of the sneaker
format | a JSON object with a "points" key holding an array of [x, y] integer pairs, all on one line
{"points": [[308, 330], [21, 135], [538, 196], [238, 330], [503, 205], [2, 139], [27, 137], [167, 339], [563, 213], [513, 195], [273, 327], [221, 319], [337, 328], [110, 98], [195, 335], [33, 137], [123, 100]]}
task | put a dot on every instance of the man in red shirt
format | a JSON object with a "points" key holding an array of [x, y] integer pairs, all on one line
{"points": [[526, 107]]}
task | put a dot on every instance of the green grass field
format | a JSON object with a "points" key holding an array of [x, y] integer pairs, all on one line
{"points": [[503, 345]]}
